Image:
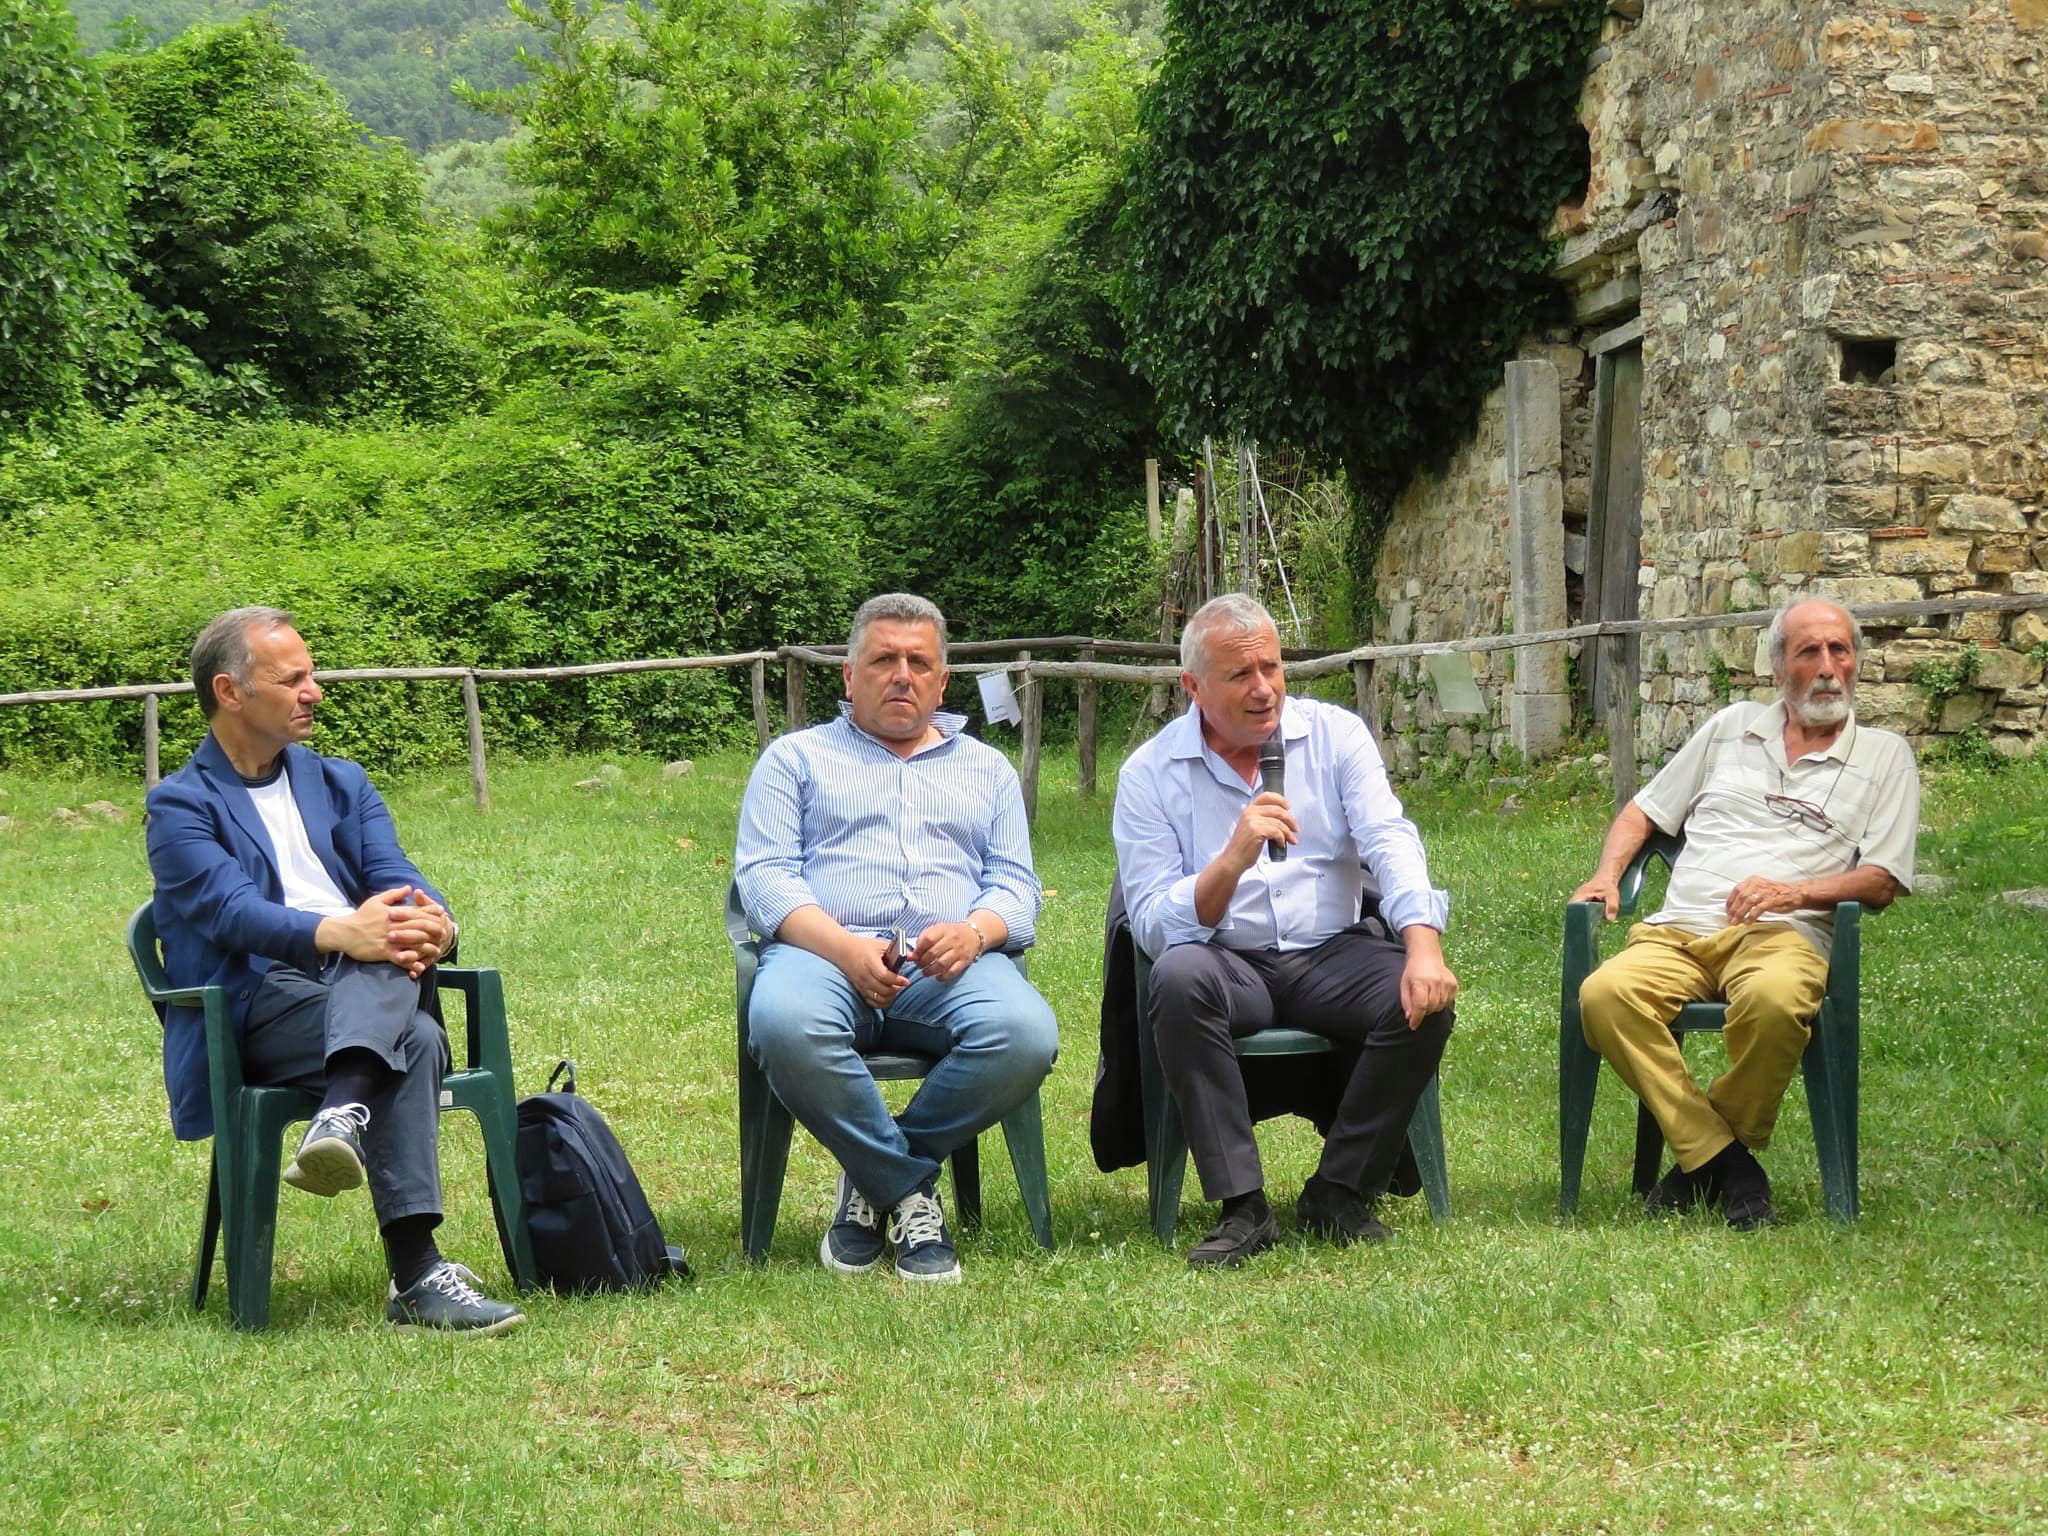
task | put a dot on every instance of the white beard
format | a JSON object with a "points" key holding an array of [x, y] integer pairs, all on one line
{"points": [[1821, 709]]}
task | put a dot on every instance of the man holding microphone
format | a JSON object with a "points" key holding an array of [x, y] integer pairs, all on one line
{"points": [[1246, 890]]}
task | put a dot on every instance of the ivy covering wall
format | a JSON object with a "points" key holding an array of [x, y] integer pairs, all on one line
{"points": [[1338, 220]]}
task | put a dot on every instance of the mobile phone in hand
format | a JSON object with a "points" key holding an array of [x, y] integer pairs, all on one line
{"points": [[893, 955]]}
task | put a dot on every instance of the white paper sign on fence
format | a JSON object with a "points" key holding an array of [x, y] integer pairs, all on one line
{"points": [[998, 702]]}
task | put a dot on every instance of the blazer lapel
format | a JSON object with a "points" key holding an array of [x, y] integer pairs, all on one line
{"points": [[234, 794]]}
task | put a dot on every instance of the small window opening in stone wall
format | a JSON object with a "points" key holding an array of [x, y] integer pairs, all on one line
{"points": [[1582, 161], [1868, 359]]}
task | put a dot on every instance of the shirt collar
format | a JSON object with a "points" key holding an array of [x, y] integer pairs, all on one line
{"points": [[1184, 736], [1770, 726], [949, 724]]}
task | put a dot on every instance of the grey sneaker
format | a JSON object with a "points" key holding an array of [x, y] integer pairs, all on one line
{"points": [[924, 1248], [330, 1158], [444, 1300], [853, 1243]]}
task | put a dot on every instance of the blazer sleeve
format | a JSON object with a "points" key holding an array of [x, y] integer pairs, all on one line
{"points": [[383, 863]]}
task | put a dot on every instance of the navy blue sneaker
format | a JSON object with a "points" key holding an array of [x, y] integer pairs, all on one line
{"points": [[924, 1248], [330, 1158], [853, 1243]]}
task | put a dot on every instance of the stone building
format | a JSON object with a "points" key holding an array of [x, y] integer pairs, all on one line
{"points": [[1809, 356]]}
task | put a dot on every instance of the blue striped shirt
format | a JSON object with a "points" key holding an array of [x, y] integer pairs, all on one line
{"points": [[833, 818]]}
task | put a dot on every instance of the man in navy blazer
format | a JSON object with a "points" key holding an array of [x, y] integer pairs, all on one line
{"points": [[279, 879]]}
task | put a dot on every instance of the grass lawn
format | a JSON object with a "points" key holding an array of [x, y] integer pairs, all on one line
{"points": [[1501, 1373]]}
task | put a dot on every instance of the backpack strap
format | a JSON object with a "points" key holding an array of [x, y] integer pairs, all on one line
{"points": [[564, 1073]]}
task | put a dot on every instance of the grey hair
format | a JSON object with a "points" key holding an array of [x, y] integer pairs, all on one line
{"points": [[900, 608], [1776, 634], [1232, 614], [223, 646]]}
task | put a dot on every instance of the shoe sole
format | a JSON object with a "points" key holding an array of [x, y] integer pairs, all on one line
{"points": [[839, 1266], [503, 1325], [930, 1277], [1341, 1237], [1234, 1260], [326, 1167]]}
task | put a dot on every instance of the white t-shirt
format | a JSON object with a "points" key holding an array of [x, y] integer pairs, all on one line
{"points": [[1864, 785], [307, 885]]}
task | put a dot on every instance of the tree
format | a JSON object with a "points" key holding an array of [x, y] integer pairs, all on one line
{"points": [[281, 250], [65, 315], [1338, 220], [748, 154]]}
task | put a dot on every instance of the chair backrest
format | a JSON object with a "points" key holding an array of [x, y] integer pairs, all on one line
{"points": [[142, 949], [1660, 845], [736, 926]]}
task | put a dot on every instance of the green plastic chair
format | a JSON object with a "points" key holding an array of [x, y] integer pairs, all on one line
{"points": [[766, 1125], [1166, 1139], [249, 1123], [1830, 1064]]}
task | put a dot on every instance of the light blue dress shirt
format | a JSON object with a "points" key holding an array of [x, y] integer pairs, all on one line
{"points": [[832, 817], [1177, 803]]}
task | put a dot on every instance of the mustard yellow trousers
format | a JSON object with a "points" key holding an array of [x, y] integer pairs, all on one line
{"points": [[1773, 981]]}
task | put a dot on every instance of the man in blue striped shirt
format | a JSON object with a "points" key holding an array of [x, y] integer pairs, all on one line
{"points": [[885, 822]]}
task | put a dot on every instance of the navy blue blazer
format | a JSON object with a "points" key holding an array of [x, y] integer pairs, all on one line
{"points": [[220, 909]]}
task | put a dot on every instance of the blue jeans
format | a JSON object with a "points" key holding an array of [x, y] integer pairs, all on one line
{"points": [[995, 1038]]}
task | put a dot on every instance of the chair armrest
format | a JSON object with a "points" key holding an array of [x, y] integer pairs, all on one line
{"points": [[183, 997], [487, 1042]]}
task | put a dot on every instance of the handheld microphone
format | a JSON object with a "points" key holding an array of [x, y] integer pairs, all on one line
{"points": [[1273, 780]]}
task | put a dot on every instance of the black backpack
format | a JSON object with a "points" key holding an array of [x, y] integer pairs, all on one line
{"points": [[590, 1223]]}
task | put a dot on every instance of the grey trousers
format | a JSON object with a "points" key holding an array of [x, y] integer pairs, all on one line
{"points": [[296, 1022], [1348, 988]]}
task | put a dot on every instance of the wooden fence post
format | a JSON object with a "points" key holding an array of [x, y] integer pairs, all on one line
{"points": [[793, 693], [473, 717], [1365, 696], [759, 681], [151, 739], [1032, 730], [1085, 726], [1615, 661]]}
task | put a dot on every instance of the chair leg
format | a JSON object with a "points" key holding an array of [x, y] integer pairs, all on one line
{"points": [[765, 1130], [1831, 1069], [1649, 1150], [1426, 1140], [499, 1121], [967, 1185], [1578, 1078], [1166, 1167], [1024, 1132], [209, 1234], [250, 1214]]}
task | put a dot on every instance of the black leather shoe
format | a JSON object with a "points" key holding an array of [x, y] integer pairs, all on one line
{"points": [[1746, 1193], [1679, 1191], [1337, 1214], [1236, 1238]]}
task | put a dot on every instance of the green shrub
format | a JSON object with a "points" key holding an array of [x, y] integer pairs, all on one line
{"points": [[673, 504]]}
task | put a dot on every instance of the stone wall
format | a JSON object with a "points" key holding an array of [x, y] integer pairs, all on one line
{"points": [[1830, 225]]}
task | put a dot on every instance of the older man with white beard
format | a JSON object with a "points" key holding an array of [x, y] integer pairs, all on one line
{"points": [[1786, 809]]}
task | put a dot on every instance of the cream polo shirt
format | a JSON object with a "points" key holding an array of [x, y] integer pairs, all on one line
{"points": [[1865, 784]]}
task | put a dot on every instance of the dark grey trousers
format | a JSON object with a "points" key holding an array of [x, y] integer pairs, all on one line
{"points": [[296, 1022], [1347, 988]]}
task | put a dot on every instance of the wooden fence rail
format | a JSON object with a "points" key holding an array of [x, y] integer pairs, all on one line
{"points": [[1619, 637]]}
